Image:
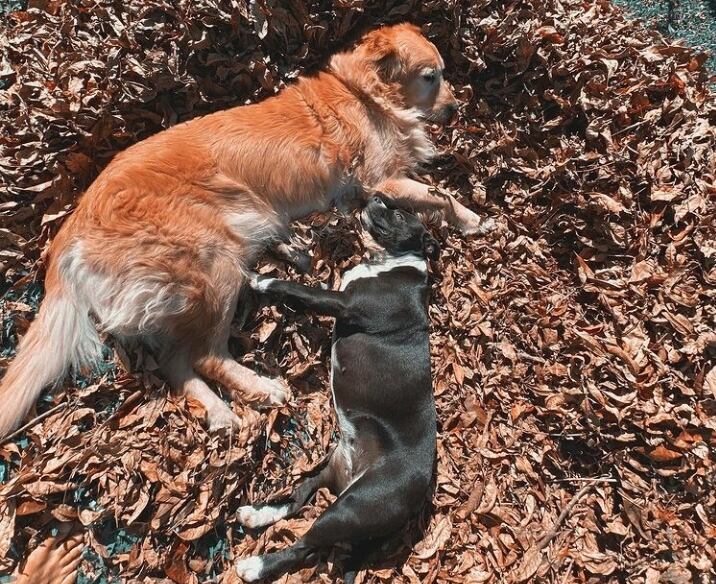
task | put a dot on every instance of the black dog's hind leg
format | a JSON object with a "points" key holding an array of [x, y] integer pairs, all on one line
{"points": [[358, 557], [362, 512], [261, 515]]}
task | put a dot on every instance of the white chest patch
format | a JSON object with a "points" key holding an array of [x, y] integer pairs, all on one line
{"points": [[373, 269]]}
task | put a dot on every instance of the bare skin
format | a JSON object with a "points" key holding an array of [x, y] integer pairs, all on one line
{"points": [[54, 561]]}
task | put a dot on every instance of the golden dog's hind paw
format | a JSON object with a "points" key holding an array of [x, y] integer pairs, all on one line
{"points": [[273, 392], [222, 419]]}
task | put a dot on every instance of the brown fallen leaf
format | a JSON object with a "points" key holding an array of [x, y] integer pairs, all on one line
{"points": [[663, 454], [435, 539]]}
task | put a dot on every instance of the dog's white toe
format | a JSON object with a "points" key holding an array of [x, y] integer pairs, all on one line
{"points": [[249, 569], [276, 391], [477, 225], [258, 283], [222, 418], [250, 516]]}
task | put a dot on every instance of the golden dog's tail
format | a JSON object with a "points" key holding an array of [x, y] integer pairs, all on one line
{"points": [[62, 336]]}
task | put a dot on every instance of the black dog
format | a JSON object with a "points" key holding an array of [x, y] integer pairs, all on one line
{"points": [[382, 467]]}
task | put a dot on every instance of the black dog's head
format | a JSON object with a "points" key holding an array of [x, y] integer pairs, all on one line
{"points": [[397, 231]]}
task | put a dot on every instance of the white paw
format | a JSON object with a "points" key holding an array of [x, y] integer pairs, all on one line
{"points": [[476, 225], [275, 392], [245, 516], [258, 283], [251, 517], [249, 569], [222, 418]]}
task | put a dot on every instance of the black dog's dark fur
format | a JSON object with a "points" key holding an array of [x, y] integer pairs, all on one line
{"points": [[382, 467]]}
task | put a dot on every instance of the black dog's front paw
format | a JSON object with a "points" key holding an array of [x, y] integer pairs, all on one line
{"points": [[260, 283]]}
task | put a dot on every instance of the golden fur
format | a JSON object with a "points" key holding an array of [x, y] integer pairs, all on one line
{"points": [[158, 246]]}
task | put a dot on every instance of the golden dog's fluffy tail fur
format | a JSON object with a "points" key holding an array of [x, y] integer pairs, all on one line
{"points": [[62, 336]]}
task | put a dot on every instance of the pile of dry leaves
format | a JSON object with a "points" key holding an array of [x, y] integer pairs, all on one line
{"points": [[574, 354]]}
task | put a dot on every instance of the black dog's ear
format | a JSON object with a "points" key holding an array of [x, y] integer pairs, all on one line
{"points": [[431, 248]]}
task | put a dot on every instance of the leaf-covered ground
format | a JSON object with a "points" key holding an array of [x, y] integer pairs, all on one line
{"points": [[574, 353]]}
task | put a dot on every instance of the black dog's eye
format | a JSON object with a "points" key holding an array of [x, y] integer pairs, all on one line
{"points": [[399, 216], [429, 76]]}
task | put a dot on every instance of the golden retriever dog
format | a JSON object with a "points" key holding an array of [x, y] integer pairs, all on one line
{"points": [[159, 244]]}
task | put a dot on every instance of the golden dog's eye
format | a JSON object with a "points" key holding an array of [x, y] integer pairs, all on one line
{"points": [[429, 76]]}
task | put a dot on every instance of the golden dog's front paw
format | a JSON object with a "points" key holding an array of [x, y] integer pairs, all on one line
{"points": [[473, 224]]}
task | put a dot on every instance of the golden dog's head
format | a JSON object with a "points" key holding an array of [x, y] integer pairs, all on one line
{"points": [[400, 64]]}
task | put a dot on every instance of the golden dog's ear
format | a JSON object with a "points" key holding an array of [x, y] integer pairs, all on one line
{"points": [[381, 48]]}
